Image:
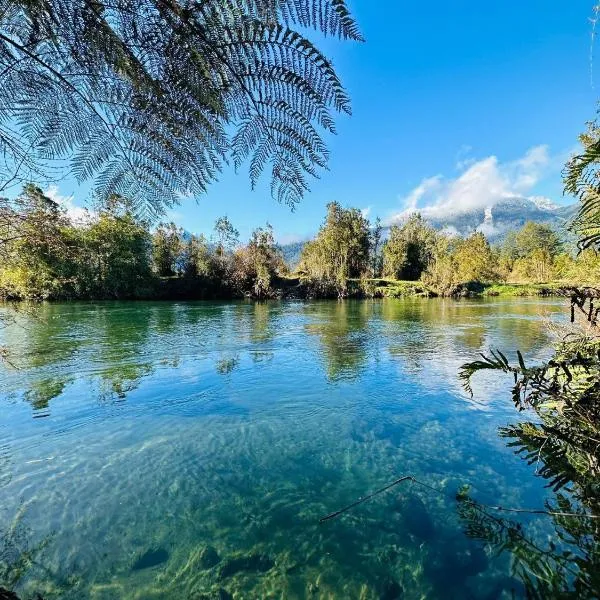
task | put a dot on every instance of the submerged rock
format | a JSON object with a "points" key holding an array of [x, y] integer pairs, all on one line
{"points": [[8, 595], [150, 558], [391, 590], [417, 519], [209, 557], [260, 563]]}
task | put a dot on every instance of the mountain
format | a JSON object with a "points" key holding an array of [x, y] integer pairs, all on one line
{"points": [[291, 253], [504, 216], [494, 221]]}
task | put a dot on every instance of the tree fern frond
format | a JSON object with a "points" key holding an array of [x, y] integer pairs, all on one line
{"points": [[141, 96]]}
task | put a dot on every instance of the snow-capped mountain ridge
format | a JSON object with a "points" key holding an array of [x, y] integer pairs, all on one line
{"points": [[508, 214]]}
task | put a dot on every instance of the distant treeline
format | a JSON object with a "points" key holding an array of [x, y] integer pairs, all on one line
{"points": [[111, 254], [349, 247]]}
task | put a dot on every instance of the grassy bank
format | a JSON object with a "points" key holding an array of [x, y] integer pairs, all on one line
{"points": [[392, 288]]}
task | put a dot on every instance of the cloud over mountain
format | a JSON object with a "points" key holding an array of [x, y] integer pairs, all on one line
{"points": [[480, 185]]}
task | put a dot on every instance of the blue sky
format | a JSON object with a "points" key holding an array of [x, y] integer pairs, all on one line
{"points": [[451, 101]]}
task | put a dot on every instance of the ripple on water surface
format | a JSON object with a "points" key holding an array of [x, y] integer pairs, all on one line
{"points": [[188, 450]]}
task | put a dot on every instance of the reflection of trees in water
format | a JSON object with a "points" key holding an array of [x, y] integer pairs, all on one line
{"points": [[262, 322], [227, 365], [438, 335], [42, 391], [342, 331]]}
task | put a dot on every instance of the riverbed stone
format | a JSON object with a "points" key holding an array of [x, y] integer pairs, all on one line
{"points": [[257, 562], [209, 557], [391, 590], [151, 558]]}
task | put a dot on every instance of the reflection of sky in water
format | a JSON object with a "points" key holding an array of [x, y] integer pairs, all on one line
{"points": [[161, 429]]}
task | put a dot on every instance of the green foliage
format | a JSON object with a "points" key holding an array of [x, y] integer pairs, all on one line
{"points": [[112, 258], [256, 264], [111, 254], [442, 273], [167, 247], [375, 249], [341, 249], [227, 235], [150, 98], [34, 246], [563, 445], [582, 180], [457, 262], [409, 249], [475, 259], [197, 259], [529, 254]]}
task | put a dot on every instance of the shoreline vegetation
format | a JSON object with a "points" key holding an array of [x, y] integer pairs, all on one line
{"points": [[296, 288], [109, 253]]}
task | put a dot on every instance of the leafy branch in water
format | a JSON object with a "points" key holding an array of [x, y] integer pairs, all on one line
{"points": [[546, 572], [564, 446]]}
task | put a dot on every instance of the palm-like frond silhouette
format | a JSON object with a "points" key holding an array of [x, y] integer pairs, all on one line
{"points": [[582, 180], [150, 98]]}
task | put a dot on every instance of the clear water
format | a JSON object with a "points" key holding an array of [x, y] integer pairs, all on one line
{"points": [[134, 436]]}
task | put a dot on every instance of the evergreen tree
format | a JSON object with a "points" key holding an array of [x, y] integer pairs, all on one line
{"points": [[341, 249], [409, 249]]}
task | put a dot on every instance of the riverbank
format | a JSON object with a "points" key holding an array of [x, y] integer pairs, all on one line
{"points": [[387, 288], [299, 288], [295, 287]]}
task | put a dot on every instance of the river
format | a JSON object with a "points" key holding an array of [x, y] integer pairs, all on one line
{"points": [[188, 450]]}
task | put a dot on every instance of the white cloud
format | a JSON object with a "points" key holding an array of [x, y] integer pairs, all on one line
{"points": [[366, 211], [480, 185], [76, 214], [427, 186]]}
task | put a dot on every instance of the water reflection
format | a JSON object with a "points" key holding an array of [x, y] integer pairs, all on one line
{"points": [[342, 329], [224, 431], [119, 345]]}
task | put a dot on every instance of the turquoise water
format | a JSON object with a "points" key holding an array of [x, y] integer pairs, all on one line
{"points": [[188, 450]]}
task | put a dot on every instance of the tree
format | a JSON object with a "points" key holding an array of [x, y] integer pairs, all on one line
{"points": [[257, 263], [582, 178], [536, 236], [475, 259], [32, 241], [341, 249], [376, 255], [409, 249], [197, 259], [442, 274], [529, 253], [167, 246], [227, 235], [47, 256], [113, 258], [149, 98]]}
